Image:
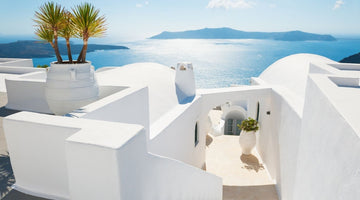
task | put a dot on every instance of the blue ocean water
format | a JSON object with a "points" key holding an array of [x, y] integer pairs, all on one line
{"points": [[217, 63]]}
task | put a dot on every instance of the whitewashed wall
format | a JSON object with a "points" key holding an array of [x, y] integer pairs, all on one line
{"points": [[71, 158], [279, 136], [27, 92], [18, 62], [130, 105], [37, 150], [278, 141], [19, 70], [329, 152], [173, 135]]}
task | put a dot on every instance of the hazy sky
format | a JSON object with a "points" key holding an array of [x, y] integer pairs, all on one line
{"points": [[139, 19]]}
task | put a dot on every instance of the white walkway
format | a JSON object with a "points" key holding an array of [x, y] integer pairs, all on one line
{"points": [[244, 177]]}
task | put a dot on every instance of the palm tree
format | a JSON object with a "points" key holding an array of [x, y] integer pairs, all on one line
{"points": [[87, 23], [51, 17], [67, 32], [45, 35]]}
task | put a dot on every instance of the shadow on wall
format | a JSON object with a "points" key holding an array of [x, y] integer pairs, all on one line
{"points": [[182, 97], [267, 192], [7, 178], [209, 140]]}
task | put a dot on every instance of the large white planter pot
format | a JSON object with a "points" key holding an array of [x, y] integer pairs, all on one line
{"points": [[70, 86], [247, 140]]}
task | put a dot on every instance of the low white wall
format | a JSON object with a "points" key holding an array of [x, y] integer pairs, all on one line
{"points": [[16, 62], [173, 135], [128, 105], [27, 94], [37, 149], [71, 158], [328, 159], [181, 181], [119, 161], [19, 70]]}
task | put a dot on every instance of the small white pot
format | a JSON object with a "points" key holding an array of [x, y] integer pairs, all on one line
{"points": [[70, 86], [247, 140]]}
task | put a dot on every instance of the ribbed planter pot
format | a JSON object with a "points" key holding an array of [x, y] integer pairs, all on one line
{"points": [[70, 86], [247, 141]]}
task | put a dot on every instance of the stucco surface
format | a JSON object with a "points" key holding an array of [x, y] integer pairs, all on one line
{"points": [[244, 176], [158, 78]]}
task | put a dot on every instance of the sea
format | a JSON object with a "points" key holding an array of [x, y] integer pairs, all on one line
{"points": [[217, 63]]}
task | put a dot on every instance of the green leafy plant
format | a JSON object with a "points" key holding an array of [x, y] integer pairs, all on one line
{"points": [[53, 21], [67, 32], [249, 124], [42, 66], [88, 23], [50, 20]]}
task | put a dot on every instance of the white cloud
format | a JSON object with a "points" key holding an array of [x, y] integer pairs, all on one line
{"points": [[338, 4], [140, 5], [228, 4], [272, 5]]}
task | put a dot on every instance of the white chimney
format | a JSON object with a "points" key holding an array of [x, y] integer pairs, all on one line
{"points": [[185, 80]]}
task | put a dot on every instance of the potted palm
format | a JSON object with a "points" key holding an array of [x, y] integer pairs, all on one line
{"points": [[69, 84], [247, 138]]}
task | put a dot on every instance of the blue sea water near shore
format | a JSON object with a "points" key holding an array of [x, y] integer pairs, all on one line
{"points": [[217, 63]]}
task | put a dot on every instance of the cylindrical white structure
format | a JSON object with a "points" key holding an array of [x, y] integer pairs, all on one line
{"points": [[70, 86], [184, 79]]}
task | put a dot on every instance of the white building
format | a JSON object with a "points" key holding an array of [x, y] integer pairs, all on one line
{"points": [[145, 138]]}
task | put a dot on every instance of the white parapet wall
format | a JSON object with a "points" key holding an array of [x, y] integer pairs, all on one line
{"points": [[173, 135], [119, 104], [328, 159], [18, 62], [37, 147], [72, 158], [27, 92]]}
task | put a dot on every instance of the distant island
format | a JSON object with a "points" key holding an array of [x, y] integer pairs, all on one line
{"points": [[352, 59], [37, 49], [228, 33]]}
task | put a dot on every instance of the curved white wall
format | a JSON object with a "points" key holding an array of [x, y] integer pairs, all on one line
{"points": [[292, 71]]}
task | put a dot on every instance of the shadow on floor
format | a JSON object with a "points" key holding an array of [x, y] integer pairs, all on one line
{"points": [[251, 162], [256, 192], [209, 140], [4, 112], [16, 195], [6, 175]]}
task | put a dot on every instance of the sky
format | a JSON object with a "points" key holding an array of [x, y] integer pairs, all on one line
{"points": [[130, 20]]}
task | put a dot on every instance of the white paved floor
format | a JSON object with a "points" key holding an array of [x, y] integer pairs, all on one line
{"points": [[244, 177]]}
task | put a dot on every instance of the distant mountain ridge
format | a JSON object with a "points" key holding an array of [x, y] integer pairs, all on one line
{"points": [[37, 49], [351, 59], [228, 33]]}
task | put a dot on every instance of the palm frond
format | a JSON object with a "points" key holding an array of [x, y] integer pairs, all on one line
{"points": [[44, 34], [68, 29], [87, 21], [50, 15]]}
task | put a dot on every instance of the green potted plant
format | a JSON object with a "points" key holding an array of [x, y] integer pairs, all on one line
{"points": [[247, 138], [69, 84]]}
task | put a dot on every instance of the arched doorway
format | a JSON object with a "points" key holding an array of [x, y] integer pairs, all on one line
{"points": [[232, 119]]}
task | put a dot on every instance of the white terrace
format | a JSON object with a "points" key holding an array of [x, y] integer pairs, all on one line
{"points": [[143, 139]]}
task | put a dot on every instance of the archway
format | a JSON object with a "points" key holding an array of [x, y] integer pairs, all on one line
{"points": [[234, 117]]}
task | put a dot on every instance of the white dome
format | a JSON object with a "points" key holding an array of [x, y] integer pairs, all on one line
{"points": [[291, 72]]}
